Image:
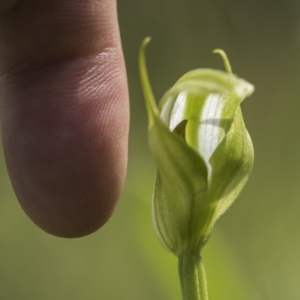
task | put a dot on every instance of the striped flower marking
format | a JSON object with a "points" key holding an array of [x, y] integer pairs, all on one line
{"points": [[202, 149]]}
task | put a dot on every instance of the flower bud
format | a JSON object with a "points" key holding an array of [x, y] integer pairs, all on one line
{"points": [[202, 150]]}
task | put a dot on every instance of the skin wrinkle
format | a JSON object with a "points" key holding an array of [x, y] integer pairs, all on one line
{"points": [[65, 121], [55, 29]]}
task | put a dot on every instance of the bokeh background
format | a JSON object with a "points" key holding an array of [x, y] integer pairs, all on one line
{"points": [[254, 252]]}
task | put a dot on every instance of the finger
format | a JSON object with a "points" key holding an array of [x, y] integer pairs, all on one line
{"points": [[6, 5], [64, 111]]}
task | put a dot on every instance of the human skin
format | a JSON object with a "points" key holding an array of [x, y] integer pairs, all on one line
{"points": [[64, 110]]}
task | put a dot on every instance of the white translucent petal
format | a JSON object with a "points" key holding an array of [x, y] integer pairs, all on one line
{"points": [[178, 110], [166, 110], [209, 132]]}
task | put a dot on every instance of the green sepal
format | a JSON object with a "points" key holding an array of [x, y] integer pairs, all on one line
{"points": [[182, 175], [231, 174], [227, 180]]}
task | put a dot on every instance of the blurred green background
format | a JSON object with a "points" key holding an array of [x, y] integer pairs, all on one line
{"points": [[254, 250]]}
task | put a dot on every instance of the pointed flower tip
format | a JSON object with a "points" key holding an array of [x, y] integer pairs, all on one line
{"points": [[143, 46], [145, 42], [217, 50], [225, 59], [244, 89]]}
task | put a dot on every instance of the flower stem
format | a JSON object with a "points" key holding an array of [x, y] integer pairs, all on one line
{"points": [[203, 281], [192, 277]]}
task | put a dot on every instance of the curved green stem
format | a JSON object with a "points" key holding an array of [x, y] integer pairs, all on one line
{"points": [[192, 277]]}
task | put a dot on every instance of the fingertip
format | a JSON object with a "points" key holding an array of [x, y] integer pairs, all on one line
{"points": [[65, 114]]}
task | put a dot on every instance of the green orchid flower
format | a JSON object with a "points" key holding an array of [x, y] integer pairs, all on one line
{"points": [[204, 157]]}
